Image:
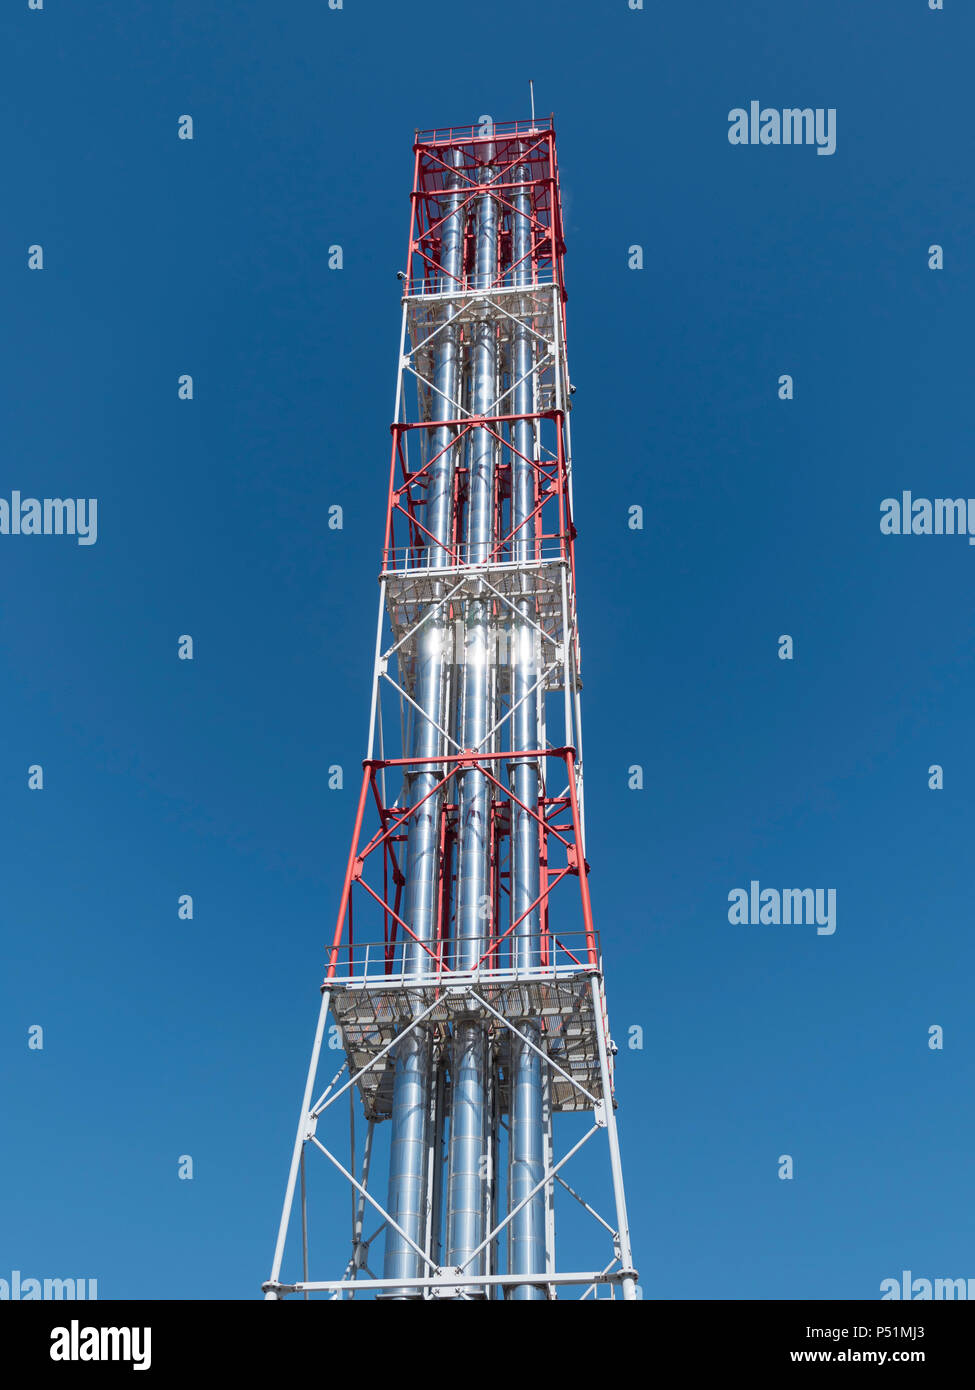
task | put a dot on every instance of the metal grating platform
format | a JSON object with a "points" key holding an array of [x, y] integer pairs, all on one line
{"points": [[371, 1015]]}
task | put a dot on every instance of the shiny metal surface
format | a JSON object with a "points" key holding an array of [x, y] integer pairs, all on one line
{"points": [[476, 714], [527, 1236], [412, 1079]]}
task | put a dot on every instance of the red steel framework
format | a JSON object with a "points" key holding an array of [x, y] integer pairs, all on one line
{"points": [[407, 539], [554, 837]]}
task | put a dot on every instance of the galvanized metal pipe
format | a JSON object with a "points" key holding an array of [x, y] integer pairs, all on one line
{"points": [[467, 1151], [412, 1058], [526, 1247]]}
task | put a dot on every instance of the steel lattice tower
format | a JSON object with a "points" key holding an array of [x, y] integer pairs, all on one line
{"points": [[467, 986]]}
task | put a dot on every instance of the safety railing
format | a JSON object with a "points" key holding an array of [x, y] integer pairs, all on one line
{"points": [[449, 135], [468, 287], [418, 559], [497, 958]]}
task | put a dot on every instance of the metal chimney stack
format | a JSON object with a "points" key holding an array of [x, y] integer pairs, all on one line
{"points": [[465, 978]]}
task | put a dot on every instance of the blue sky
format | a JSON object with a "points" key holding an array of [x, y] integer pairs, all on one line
{"points": [[164, 1037]]}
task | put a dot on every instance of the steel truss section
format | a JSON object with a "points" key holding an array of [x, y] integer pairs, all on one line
{"points": [[464, 976], [584, 1084]]}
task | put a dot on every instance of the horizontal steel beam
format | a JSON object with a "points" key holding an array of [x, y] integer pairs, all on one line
{"points": [[452, 1279]]}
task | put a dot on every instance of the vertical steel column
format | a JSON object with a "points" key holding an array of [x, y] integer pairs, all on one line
{"points": [[299, 1145], [526, 1156], [465, 1205], [412, 1058], [624, 1249]]}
